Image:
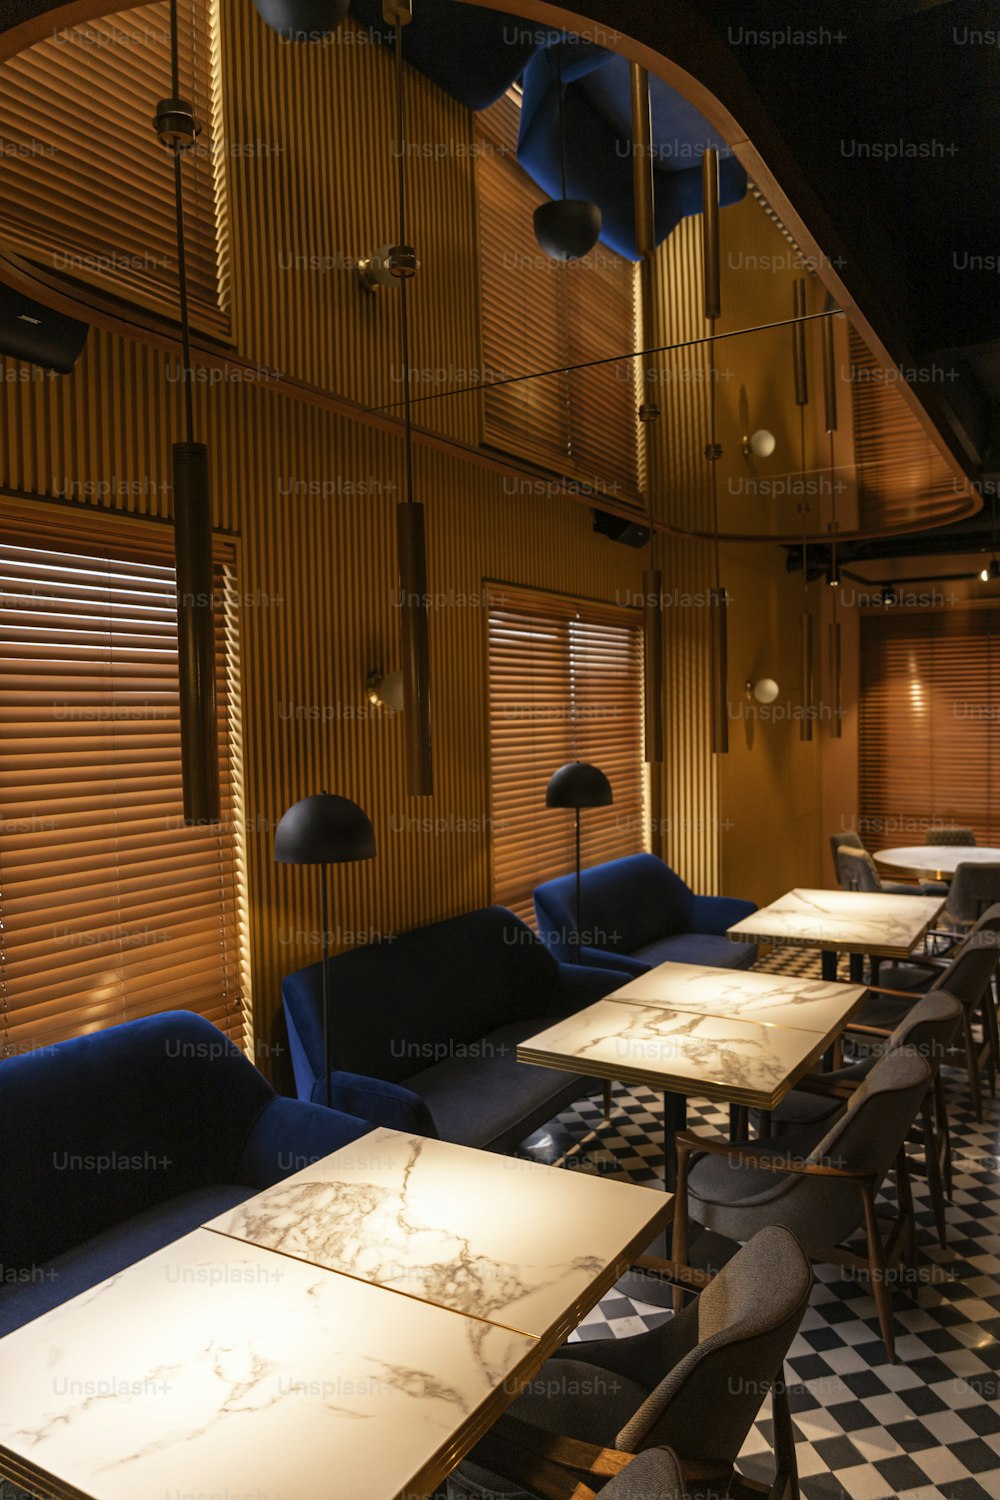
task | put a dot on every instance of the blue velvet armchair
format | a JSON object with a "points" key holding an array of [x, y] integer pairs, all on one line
{"points": [[637, 913], [112, 1145]]}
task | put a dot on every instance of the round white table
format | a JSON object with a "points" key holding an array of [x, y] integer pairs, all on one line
{"points": [[934, 861]]}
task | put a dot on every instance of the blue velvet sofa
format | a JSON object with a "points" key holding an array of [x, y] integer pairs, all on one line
{"points": [[114, 1144], [636, 914], [426, 1027]]}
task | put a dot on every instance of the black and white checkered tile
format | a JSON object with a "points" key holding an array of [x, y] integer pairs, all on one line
{"points": [[927, 1426]]}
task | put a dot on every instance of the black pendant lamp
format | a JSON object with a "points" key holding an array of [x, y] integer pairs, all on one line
{"points": [[177, 129], [566, 228], [324, 830], [303, 20]]}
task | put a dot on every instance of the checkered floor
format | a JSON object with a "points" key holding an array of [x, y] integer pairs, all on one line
{"points": [[928, 1426]]}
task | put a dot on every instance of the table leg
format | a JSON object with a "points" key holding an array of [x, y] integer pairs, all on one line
{"points": [[828, 964], [646, 1286], [857, 962]]}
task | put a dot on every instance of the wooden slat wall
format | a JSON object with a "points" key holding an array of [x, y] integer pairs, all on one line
{"points": [[721, 814], [317, 580]]}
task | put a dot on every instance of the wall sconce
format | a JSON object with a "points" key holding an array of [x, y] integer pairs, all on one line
{"points": [[765, 690], [387, 266], [385, 690], [760, 444]]}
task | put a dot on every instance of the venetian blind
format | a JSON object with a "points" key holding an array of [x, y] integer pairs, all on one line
{"points": [[929, 745], [565, 683], [540, 314], [110, 907], [85, 186]]}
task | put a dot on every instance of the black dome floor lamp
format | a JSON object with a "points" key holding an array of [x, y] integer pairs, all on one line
{"points": [[324, 830], [578, 785]]}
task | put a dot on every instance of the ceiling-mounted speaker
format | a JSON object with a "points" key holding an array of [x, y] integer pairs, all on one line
{"points": [[619, 529], [37, 335], [302, 20]]}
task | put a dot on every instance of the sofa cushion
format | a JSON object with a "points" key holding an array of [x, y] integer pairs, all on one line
{"points": [[486, 1098], [433, 988], [28, 1293], [698, 948]]}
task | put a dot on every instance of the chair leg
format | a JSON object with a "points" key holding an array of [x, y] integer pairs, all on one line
{"points": [[990, 1032], [932, 1160], [607, 1101], [876, 1270], [944, 1133], [904, 1194], [678, 1244], [972, 1063], [786, 1478]]}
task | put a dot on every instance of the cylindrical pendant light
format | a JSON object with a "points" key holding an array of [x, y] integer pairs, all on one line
{"points": [[710, 233], [799, 362], [652, 661], [829, 374], [196, 631], [642, 160], [720, 670], [178, 129], [836, 727], [415, 642], [806, 671]]}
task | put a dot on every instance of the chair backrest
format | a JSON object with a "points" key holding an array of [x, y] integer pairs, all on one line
{"points": [[626, 904], [652, 1475], [824, 1210], [856, 869], [974, 961], [403, 1004], [974, 888], [102, 1127], [952, 836], [928, 1028], [847, 840], [744, 1322]]}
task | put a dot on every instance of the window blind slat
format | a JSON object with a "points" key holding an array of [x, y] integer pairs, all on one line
{"points": [[86, 188], [565, 683], [109, 907]]}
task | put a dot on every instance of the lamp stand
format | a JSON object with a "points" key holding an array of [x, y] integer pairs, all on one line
{"points": [[579, 932], [325, 938]]}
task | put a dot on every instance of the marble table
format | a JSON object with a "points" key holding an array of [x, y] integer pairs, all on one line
{"points": [[934, 861], [349, 1333], [855, 922], [739, 1036]]}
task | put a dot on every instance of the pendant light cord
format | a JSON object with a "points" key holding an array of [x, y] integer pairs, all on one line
{"points": [[404, 326], [182, 283], [562, 127]]}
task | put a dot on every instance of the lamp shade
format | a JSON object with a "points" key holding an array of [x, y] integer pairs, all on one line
{"points": [[567, 228], [324, 830], [578, 785]]}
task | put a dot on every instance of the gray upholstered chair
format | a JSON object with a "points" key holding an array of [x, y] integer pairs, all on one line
{"points": [[967, 973], [653, 1475], [856, 872], [974, 889], [820, 1184], [952, 836], [695, 1383], [929, 1029]]}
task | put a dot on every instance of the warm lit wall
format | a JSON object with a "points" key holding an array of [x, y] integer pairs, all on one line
{"points": [[312, 495], [748, 822]]}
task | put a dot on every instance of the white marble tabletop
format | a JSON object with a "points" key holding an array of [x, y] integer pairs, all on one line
{"points": [[220, 1367], [496, 1237], [785, 1000], [217, 1368], [935, 861], [842, 921], [720, 1056]]}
